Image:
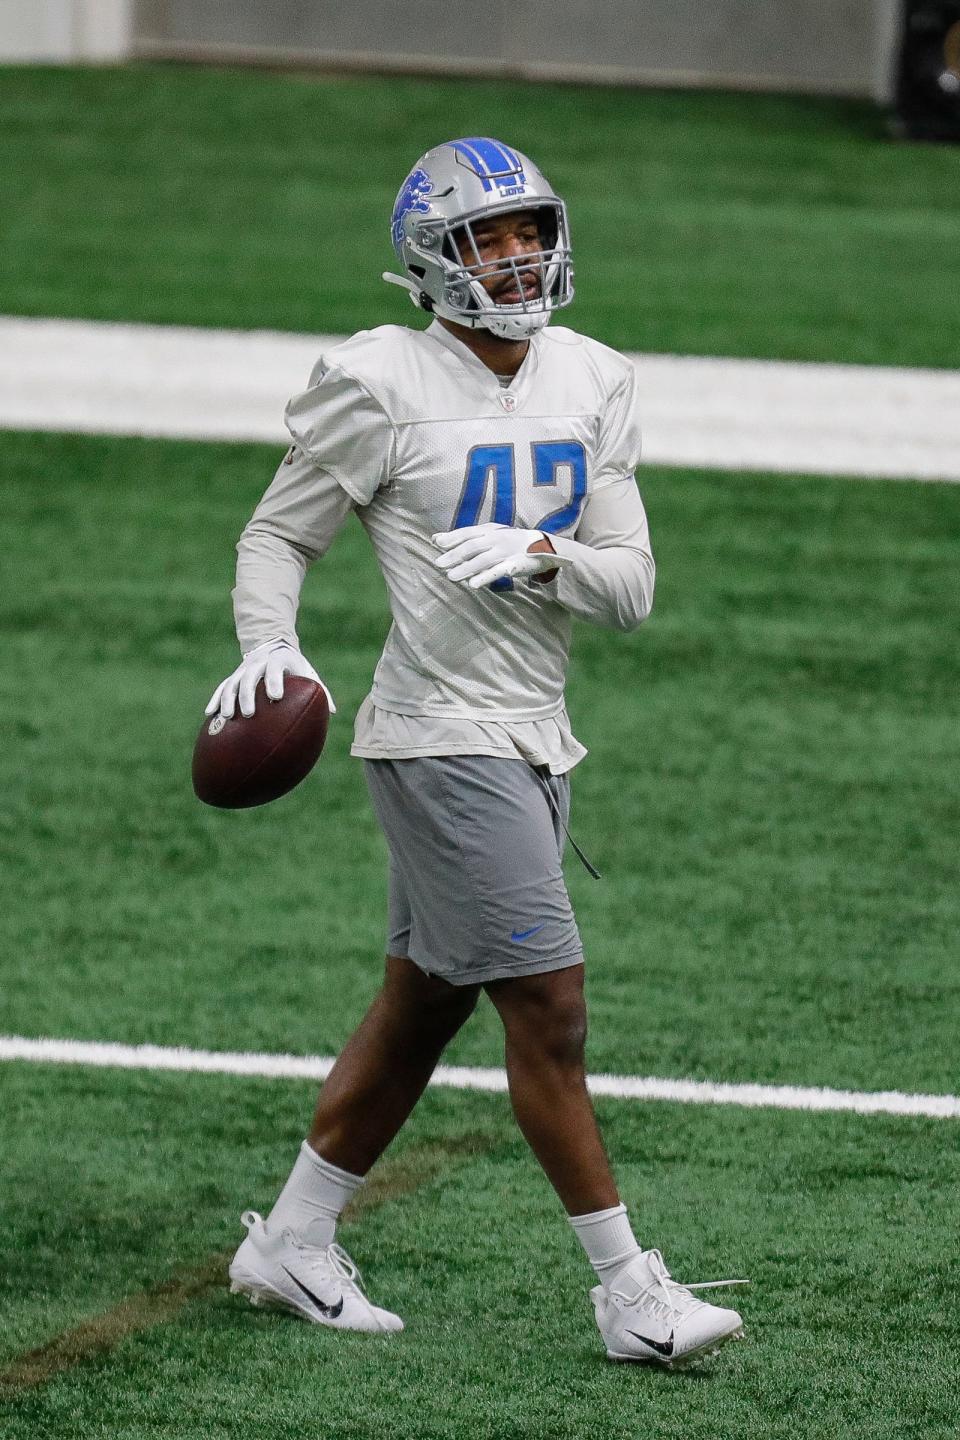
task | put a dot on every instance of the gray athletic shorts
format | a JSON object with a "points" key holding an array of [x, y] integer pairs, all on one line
{"points": [[476, 885]]}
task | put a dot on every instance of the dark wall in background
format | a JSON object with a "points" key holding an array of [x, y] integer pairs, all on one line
{"points": [[928, 81]]}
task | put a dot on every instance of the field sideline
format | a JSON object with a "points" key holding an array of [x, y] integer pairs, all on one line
{"points": [[715, 413], [105, 1054]]}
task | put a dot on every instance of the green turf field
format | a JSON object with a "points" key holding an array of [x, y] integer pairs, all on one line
{"points": [[771, 792], [706, 224], [772, 795], [847, 1230]]}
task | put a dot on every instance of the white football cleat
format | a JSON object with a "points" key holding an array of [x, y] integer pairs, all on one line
{"points": [[646, 1315], [274, 1269]]}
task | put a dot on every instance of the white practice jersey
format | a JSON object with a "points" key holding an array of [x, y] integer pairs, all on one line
{"points": [[413, 432]]}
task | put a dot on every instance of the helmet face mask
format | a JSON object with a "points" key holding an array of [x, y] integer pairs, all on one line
{"points": [[450, 192]]}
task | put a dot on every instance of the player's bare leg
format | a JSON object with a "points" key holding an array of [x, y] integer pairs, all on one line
{"points": [[545, 1025], [385, 1065], [642, 1312], [291, 1260]]}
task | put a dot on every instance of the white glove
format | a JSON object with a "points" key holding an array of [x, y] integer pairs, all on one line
{"points": [[273, 659], [481, 554]]}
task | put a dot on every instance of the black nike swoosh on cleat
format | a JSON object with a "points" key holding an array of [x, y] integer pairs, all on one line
{"points": [[662, 1347], [330, 1311]]}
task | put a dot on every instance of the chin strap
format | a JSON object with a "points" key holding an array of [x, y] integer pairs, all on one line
{"points": [[416, 294], [422, 301]]}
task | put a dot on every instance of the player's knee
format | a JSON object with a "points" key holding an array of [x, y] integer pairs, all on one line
{"points": [[569, 1038], [558, 1032]]}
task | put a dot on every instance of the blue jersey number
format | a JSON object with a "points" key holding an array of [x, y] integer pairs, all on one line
{"points": [[498, 462], [483, 462], [550, 456]]}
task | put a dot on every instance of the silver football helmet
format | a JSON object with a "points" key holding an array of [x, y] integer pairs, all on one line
{"points": [[446, 193]]}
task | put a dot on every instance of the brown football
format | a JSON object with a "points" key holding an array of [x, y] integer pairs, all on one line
{"points": [[242, 762]]}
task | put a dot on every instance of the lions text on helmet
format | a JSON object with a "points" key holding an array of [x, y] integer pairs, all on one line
{"points": [[483, 239]]}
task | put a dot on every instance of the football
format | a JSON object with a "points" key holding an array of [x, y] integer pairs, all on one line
{"points": [[239, 763]]}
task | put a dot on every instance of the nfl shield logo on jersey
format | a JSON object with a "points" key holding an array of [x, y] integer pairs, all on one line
{"points": [[508, 401]]}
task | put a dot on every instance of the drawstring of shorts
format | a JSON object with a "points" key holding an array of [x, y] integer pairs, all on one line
{"points": [[541, 772]]}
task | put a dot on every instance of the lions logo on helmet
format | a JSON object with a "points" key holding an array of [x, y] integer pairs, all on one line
{"points": [[467, 181], [415, 187]]}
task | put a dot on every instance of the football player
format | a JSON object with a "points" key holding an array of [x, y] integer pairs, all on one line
{"points": [[491, 462]]}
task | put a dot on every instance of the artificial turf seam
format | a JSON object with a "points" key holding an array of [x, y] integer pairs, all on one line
{"points": [[97, 1336]]}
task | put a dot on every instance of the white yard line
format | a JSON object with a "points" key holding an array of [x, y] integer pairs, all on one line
{"points": [[73, 375], [457, 1077]]}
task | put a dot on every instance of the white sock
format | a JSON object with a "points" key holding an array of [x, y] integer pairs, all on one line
{"points": [[608, 1239], [310, 1202]]}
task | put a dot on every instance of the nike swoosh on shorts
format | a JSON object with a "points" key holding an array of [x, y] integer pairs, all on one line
{"points": [[525, 934]]}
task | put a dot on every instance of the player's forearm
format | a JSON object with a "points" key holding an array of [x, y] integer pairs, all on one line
{"points": [[612, 587], [609, 576], [266, 596]]}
